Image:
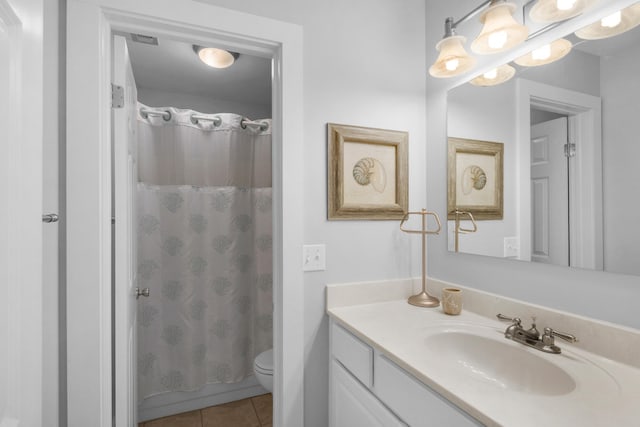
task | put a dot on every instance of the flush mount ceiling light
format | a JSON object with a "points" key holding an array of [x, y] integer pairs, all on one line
{"points": [[214, 57], [545, 54], [612, 25], [500, 30], [548, 11], [453, 59], [495, 77]]}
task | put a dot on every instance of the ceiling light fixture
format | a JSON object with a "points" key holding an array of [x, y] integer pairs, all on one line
{"points": [[215, 57], [453, 59], [495, 77], [546, 54], [613, 24], [549, 11], [500, 30]]}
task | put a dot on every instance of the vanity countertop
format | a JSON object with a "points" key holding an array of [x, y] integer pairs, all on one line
{"points": [[608, 396]]}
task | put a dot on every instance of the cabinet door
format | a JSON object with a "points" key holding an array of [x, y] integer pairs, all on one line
{"points": [[352, 405]]}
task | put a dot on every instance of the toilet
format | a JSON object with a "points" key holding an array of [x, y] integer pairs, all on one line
{"points": [[263, 368]]}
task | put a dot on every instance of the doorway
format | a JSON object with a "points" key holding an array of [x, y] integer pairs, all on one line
{"points": [[583, 116], [202, 198], [89, 187]]}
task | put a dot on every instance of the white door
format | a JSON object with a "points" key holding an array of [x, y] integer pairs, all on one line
{"points": [[549, 193], [21, 287], [125, 176]]}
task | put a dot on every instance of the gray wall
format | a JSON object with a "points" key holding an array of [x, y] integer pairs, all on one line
{"points": [[203, 104], [621, 153]]}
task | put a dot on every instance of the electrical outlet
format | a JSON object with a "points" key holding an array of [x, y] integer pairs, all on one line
{"points": [[511, 247], [313, 258]]}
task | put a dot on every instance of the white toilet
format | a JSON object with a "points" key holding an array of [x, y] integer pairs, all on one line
{"points": [[263, 368]]}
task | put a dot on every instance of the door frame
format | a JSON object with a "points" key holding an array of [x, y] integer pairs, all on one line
{"points": [[585, 189], [91, 24]]}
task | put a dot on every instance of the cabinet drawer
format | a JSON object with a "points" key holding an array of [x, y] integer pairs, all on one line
{"points": [[415, 403], [355, 355]]}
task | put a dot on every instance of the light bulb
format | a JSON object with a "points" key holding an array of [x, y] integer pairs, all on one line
{"points": [[490, 75], [565, 4], [216, 58], [612, 20], [542, 53], [452, 64], [497, 40]]}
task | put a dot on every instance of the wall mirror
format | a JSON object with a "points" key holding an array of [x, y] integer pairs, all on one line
{"points": [[570, 135]]}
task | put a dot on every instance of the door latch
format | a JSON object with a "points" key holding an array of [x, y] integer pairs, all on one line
{"points": [[48, 218], [144, 292]]}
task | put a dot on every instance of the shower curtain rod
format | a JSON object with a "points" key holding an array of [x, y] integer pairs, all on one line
{"points": [[217, 121]]}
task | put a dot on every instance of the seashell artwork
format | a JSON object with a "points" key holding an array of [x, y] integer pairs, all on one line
{"points": [[473, 177], [370, 171]]}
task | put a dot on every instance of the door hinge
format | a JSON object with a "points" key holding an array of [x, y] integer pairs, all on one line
{"points": [[569, 150], [117, 96]]}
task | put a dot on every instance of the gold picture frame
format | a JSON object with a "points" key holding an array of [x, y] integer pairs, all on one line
{"points": [[475, 181], [367, 173]]}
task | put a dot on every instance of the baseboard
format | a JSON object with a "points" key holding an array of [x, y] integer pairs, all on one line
{"points": [[171, 403]]}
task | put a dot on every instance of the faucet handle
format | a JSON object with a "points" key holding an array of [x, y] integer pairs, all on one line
{"points": [[515, 320], [548, 332]]}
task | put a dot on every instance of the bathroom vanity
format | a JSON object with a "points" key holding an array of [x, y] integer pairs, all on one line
{"points": [[368, 388], [393, 364]]}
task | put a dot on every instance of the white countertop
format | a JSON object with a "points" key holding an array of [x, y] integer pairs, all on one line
{"points": [[607, 392]]}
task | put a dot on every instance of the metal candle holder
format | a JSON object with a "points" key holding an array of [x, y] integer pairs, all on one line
{"points": [[423, 299]]}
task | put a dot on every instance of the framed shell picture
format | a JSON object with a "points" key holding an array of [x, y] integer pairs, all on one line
{"points": [[367, 173], [475, 181]]}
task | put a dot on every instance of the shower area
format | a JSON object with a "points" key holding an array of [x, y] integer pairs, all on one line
{"points": [[204, 251]]}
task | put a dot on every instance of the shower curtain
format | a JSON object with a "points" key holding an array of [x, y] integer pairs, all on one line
{"points": [[204, 250]]}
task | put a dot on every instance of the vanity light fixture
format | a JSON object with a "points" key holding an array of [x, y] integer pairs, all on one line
{"points": [[453, 59], [215, 57], [612, 25], [495, 77], [548, 11], [545, 54], [500, 30]]}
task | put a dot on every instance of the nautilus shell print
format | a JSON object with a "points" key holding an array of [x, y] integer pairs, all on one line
{"points": [[370, 171], [473, 177]]}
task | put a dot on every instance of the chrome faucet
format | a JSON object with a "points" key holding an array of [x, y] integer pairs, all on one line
{"points": [[531, 337]]}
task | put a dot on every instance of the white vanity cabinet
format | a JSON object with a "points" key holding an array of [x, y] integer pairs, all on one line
{"points": [[352, 405], [367, 389]]}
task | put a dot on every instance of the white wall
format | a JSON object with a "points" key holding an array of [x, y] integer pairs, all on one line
{"points": [[579, 291], [487, 114], [579, 71], [621, 151], [203, 104], [364, 65]]}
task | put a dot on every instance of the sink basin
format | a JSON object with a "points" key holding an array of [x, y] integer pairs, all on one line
{"points": [[489, 358]]}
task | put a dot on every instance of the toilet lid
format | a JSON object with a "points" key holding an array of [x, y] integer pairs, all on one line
{"points": [[264, 361]]}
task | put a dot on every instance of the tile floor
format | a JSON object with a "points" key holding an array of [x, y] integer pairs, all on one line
{"points": [[253, 412]]}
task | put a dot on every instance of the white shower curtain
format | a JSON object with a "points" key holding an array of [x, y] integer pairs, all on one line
{"points": [[204, 251]]}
